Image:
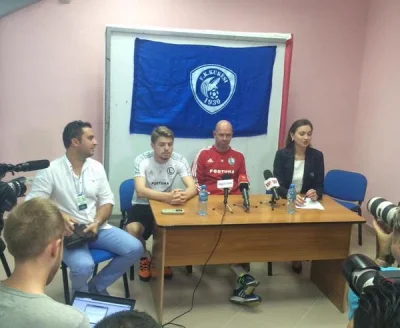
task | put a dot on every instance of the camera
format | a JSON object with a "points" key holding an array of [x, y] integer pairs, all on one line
{"points": [[360, 271], [11, 190], [385, 213]]}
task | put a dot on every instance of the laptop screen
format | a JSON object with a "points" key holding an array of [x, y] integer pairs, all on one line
{"points": [[97, 307]]}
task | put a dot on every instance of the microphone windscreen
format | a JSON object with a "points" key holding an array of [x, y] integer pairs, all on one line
{"points": [[243, 182], [226, 176], [243, 178], [267, 174], [38, 165]]}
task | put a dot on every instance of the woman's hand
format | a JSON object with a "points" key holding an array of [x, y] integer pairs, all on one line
{"points": [[312, 194], [300, 200]]}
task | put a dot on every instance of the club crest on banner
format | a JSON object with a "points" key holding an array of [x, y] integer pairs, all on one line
{"points": [[213, 86]]}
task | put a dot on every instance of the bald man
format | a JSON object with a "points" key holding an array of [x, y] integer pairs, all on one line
{"points": [[207, 168], [212, 162]]}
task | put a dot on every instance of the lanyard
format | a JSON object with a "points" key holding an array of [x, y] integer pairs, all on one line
{"points": [[80, 183]]}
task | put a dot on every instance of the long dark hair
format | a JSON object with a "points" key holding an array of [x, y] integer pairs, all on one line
{"points": [[294, 127]]}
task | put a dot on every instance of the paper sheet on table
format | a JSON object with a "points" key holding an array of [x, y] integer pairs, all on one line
{"points": [[311, 205]]}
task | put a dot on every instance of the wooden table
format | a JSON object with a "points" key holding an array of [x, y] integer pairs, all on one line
{"points": [[261, 235]]}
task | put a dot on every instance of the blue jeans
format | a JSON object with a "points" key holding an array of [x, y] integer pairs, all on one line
{"points": [[81, 265]]}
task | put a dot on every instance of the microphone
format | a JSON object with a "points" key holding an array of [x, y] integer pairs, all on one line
{"points": [[225, 184], [32, 166], [244, 188], [271, 183]]}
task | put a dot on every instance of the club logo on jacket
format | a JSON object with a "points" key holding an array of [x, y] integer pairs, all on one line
{"points": [[231, 161], [170, 170], [213, 86]]}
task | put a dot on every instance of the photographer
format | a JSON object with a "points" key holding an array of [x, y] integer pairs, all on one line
{"points": [[128, 319], [370, 301], [378, 307], [34, 234]]}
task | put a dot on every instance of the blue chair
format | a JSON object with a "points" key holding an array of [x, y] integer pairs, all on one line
{"points": [[126, 190], [348, 189], [98, 256]]}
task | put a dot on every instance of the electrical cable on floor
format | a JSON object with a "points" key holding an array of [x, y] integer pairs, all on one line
{"points": [[171, 322]]}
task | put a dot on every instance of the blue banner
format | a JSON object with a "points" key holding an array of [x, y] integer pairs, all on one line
{"points": [[189, 88]]}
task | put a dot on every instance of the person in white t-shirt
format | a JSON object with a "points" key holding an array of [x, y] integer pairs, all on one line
{"points": [[154, 173], [79, 187]]}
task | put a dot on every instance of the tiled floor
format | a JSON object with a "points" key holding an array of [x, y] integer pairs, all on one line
{"points": [[289, 300]]}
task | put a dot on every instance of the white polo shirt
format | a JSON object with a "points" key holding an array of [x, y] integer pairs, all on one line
{"points": [[59, 183]]}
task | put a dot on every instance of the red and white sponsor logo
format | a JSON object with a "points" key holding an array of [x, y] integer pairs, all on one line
{"points": [[271, 183], [222, 171]]}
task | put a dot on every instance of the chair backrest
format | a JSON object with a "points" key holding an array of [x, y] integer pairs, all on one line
{"points": [[345, 185], [126, 190]]}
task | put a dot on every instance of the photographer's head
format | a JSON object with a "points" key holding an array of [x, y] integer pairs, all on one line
{"points": [[78, 137], [379, 306], [128, 319], [34, 232]]}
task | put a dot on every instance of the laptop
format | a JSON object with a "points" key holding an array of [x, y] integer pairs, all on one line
{"points": [[97, 307]]}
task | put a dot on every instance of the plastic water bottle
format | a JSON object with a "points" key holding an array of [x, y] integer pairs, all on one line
{"points": [[291, 199], [203, 201]]}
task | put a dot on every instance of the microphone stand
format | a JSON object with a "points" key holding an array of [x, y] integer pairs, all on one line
{"points": [[3, 248], [226, 202], [246, 208], [3, 258], [272, 202]]}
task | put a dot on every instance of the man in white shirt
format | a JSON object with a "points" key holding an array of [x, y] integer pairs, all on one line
{"points": [[79, 187], [34, 233], [154, 173]]}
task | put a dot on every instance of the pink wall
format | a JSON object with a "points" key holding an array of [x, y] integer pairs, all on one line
{"points": [[52, 58], [376, 145]]}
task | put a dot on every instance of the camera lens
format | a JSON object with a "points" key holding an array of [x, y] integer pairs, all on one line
{"points": [[18, 186], [383, 210]]}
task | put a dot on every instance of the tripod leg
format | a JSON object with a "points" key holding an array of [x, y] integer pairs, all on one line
{"points": [[5, 264]]}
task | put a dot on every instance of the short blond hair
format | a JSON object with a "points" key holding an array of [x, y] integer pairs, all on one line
{"points": [[31, 226], [161, 131]]}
